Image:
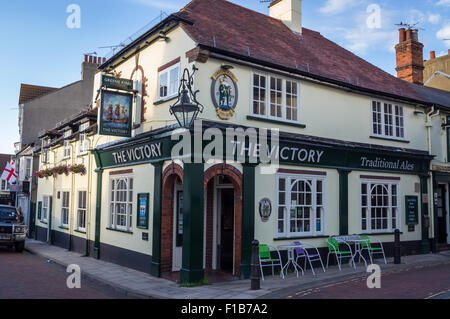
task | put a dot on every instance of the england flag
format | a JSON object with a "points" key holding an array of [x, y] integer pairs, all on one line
{"points": [[9, 174]]}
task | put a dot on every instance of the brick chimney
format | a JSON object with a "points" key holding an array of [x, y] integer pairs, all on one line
{"points": [[409, 56], [90, 65], [288, 11]]}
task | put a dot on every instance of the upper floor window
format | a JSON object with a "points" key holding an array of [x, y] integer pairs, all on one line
{"points": [[27, 168], [275, 97], [301, 205], [169, 81], [66, 148], [5, 186], [388, 120], [84, 143], [44, 153]]}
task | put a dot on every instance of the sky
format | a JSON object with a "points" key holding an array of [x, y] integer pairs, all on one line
{"points": [[42, 43]]}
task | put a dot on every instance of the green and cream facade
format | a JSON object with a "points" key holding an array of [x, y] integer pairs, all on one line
{"points": [[348, 160]]}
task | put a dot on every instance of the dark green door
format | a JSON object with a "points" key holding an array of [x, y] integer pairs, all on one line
{"points": [[441, 212], [227, 229]]}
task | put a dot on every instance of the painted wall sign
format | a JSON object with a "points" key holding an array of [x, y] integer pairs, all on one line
{"points": [[412, 210], [116, 114], [224, 93], [111, 82], [265, 209], [142, 213]]}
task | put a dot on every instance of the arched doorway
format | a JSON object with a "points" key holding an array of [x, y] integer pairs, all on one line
{"points": [[223, 209], [171, 241]]}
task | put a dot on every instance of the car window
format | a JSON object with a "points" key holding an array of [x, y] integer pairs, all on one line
{"points": [[7, 214]]}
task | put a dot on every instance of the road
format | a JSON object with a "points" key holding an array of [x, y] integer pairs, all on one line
{"points": [[27, 276], [422, 282]]}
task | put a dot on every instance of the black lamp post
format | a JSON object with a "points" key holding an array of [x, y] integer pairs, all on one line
{"points": [[186, 108]]}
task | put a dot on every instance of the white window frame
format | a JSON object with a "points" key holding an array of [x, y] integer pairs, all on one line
{"points": [[5, 186], [388, 122], [65, 209], [81, 210], [114, 203], [45, 207], [28, 167], [398, 218], [289, 179], [268, 77], [45, 152], [170, 81]]}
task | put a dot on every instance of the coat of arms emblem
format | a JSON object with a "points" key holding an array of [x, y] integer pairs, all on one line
{"points": [[265, 209], [224, 93]]}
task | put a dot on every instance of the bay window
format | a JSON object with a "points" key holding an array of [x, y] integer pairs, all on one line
{"points": [[301, 205]]}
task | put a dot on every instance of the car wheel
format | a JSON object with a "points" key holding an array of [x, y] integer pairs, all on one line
{"points": [[20, 247]]}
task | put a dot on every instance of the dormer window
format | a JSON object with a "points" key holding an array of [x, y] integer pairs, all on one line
{"points": [[84, 145], [44, 152], [67, 150]]}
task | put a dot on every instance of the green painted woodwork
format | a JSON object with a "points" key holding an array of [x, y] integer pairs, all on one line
{"points": [[343, 201], [98, 214], [193, 189], [248, 219], [155, 269]]}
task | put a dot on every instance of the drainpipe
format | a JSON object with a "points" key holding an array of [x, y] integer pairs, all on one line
{"points": [[428, 124], [49, 221], [88, 199]]}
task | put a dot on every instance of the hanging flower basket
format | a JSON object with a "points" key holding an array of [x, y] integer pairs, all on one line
{"points": [[62, 169], [78, 169], [45, 173]]}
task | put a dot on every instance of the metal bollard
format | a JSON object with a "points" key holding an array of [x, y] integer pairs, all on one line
{"points": [[397, 248], [255, 277]]}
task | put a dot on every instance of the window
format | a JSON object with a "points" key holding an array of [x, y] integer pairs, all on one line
{"points": [[65, 209], [169, 81], [5, 186], [67, 150], [121, 202], [280, 95], [81, 214], [84, 143], [379, 206], [388, 120], [45, 207], [301, 205], [27, 168], [44, 153]]}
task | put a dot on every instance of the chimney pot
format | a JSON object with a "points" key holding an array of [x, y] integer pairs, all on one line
{"points": [[402, 33], [432, 55], [90, 59], [408, 34], [95, 60], [85, 58]]}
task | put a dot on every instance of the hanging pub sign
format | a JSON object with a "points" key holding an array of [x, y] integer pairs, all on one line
{"points": [[265, 209], [142, 218], [116, 114], [111, 82], [412, 210], [224, 93]]}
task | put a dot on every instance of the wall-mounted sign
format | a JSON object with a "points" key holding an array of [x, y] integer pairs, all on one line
{"points": [[116, 114], [265, 209], [412, 210], [142, 217], [145, 236], [111, 82], [224, 93]]}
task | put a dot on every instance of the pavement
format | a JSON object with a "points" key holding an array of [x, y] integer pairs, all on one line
{"points": [[137, 284]]}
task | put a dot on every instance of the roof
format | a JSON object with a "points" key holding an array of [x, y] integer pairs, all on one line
{"points": [[217, 24], [4, 159], [433, 95], [30, 92]]}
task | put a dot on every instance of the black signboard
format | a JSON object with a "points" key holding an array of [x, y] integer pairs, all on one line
{"points": [[142, 203], [412, 210], [117, 83]]}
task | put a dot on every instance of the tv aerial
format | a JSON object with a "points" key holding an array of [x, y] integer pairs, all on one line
{"points": [[409, 26], [113, 47]]}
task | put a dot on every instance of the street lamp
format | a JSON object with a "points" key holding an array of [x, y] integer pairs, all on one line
{"points": [[184, 110]]}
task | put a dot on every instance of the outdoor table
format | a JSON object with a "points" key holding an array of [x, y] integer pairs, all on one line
{"points": [[358, 248], [291, 258]]}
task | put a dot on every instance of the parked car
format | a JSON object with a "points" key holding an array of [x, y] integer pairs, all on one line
{"points": [[12, 229]]}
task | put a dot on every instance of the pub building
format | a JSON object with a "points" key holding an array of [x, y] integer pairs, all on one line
{"points": [[349, 144]]}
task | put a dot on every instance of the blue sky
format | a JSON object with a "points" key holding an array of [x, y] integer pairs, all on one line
{"points": [[38, 47]]}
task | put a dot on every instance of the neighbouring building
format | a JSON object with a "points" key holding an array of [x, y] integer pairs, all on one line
{"points": [[40, 108], [5, 192], [436, 71], [353, 146], [431, 80]]}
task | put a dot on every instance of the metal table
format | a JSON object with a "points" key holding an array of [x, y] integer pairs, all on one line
{"points": [[291, 258]]}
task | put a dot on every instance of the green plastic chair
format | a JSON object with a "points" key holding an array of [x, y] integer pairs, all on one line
{"points": [[266, 260], [366, 245], [333, 248]]}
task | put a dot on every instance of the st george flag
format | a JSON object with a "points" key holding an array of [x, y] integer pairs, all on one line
{"points": [[9, 174]]}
